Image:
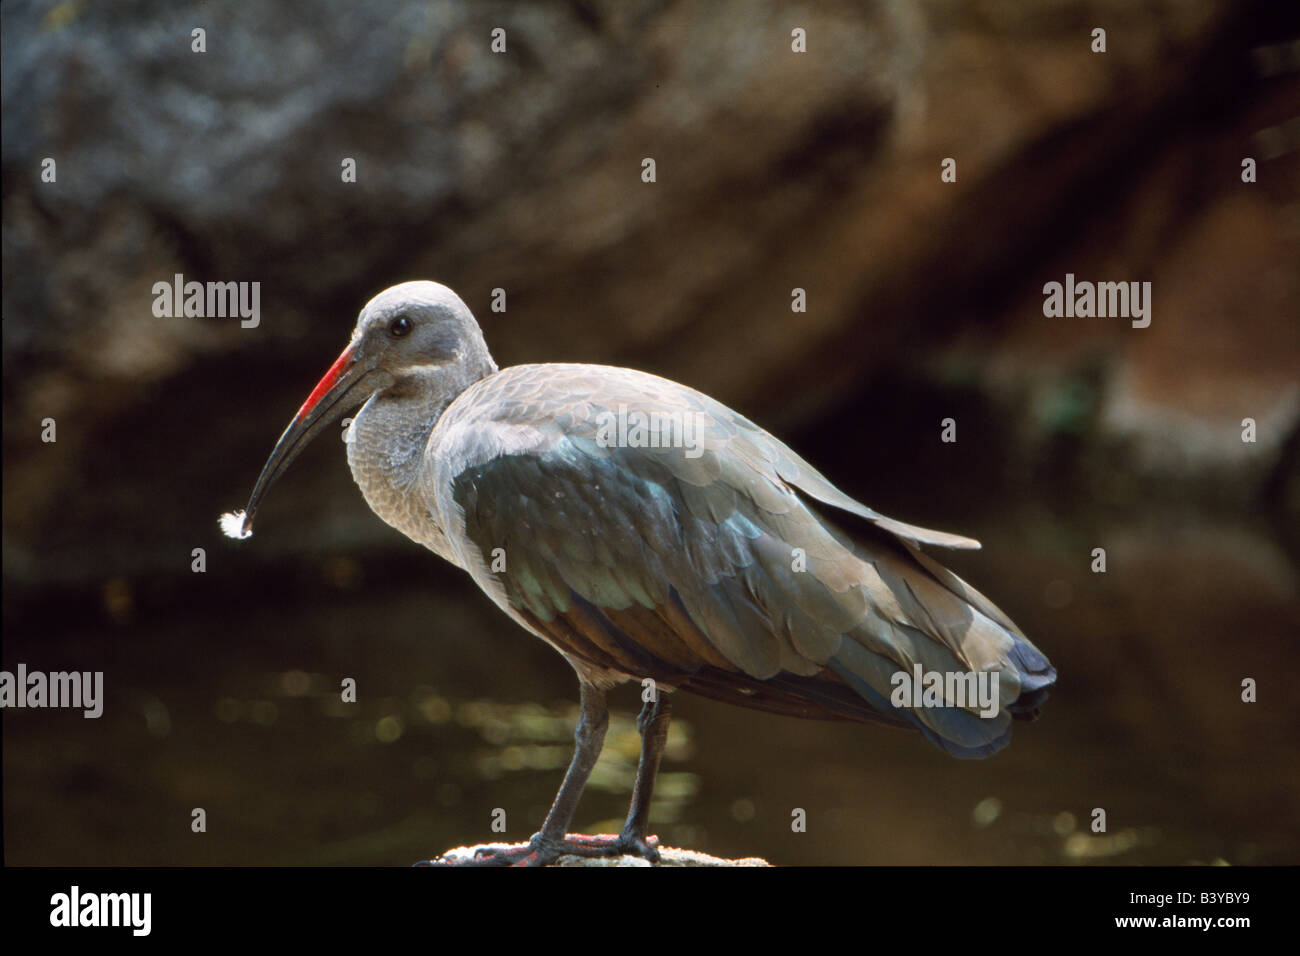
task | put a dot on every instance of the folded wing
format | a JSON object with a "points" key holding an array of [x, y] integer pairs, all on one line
{"points": [[694, 553]]}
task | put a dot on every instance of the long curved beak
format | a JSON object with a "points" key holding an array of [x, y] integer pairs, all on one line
{"points": [[347, 384]]}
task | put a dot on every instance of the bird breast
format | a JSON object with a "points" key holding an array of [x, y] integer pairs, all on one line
{"points": [[386, 445]]}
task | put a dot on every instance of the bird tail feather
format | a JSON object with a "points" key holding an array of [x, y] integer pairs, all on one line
{"points": [[930, 657]]}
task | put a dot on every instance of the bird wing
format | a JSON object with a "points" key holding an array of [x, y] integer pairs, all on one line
{"points": [[695, 557]]}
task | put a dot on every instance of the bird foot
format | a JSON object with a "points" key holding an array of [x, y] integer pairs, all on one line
{"points": [[607, 844], [542, 852]]}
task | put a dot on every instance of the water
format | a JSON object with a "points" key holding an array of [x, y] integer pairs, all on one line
{"points": [[224, 695]]}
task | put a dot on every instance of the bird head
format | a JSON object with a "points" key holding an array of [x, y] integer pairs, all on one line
{"points": [[413, 338]]}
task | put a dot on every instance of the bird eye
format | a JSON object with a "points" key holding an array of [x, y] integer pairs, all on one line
{"points": [[399, 326]]}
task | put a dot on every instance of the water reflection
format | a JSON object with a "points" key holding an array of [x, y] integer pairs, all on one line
{"points": [[238, 708]]}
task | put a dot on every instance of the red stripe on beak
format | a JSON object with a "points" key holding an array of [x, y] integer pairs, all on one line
{"points": [[329, 381]]}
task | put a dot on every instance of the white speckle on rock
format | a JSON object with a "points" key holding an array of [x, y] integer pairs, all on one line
{"points": [[668, 856]]}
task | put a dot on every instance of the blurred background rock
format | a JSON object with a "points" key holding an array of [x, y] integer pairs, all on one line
{"points": [[775, 170]]}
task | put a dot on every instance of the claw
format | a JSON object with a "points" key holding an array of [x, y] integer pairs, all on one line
{"points": [[605, 844]]}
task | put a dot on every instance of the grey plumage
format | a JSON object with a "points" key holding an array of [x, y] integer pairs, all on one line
{"points": [[700, 553], [515, 465]]}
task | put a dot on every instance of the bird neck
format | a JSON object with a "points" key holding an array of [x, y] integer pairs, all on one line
{"points": [[388, 440]]}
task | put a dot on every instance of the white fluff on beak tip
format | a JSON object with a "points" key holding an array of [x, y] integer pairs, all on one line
{"points": [[232, 525]]}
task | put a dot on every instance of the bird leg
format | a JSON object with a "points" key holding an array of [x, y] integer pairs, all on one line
{"points": [[653, 724], [632, 841], [551, 842]]}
